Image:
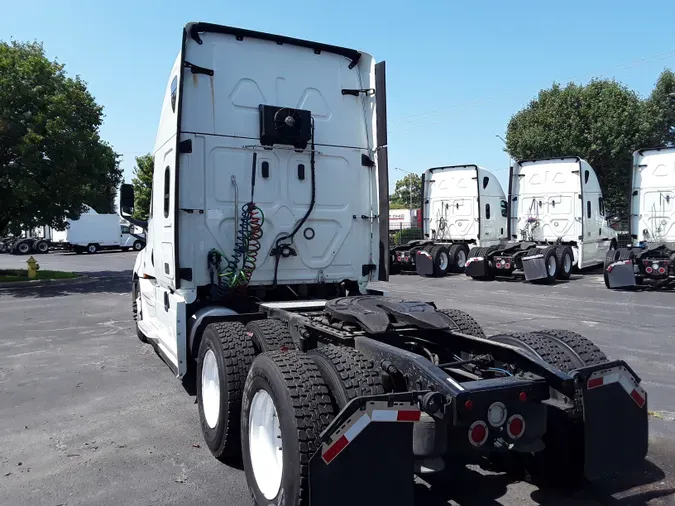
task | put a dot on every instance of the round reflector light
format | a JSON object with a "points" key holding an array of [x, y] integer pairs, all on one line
{"points": [[515, 426], [478, 433], [497, 414]]}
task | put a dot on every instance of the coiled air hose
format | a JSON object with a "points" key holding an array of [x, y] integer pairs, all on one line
{"points": [[246, 245]]}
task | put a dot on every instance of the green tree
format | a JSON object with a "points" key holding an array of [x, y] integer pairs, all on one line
{"points": [[142, 182], [401, 197], [603, 122], [52, 159]]}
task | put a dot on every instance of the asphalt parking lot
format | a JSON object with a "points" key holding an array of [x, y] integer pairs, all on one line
{"points": [[89, 415]]}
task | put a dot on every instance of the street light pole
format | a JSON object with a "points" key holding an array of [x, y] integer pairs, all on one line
{"points": [[507, 153], [410, 185]]}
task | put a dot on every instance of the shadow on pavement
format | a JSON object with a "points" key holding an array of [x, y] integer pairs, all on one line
{"points": [[468, 487], [102, 281]]}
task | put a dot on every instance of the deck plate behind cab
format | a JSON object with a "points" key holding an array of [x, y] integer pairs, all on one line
{"points": [[375, 314]]}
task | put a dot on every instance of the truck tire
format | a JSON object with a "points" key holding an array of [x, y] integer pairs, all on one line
{"points": [[42, 247], [441, 258], [134, 310], [348, 373], [139, 245], [587, 352], [565, 259], [285, 394], [463, 322], [23, 248], [458, 254], [269, 335], [92, 248], [225, 356]]}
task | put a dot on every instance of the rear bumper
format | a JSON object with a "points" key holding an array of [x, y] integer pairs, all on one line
{"points": [[369, 444]]}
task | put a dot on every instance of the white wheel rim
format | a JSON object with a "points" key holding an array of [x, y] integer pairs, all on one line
{"points": [[551, 265], [92, 249], [461, 259], [210, 389], [265, 445], [443, 260], [568, 263], [137, 246]]}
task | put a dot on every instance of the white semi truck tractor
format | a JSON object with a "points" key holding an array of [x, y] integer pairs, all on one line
{"points": [[651, 255], [556, 222], [268, 221], [463, 206]]}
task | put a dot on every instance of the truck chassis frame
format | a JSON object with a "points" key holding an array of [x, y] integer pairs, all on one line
{"points": [[442, 377]]}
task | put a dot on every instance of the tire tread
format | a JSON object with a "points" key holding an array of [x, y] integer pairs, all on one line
{"points": [[464, 322], [238, 354], [312, 406], [357, 372]]}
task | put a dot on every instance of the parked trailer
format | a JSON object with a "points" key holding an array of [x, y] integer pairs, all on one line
{"points": [[463, 206], [357, 387], [651, 256], [556, 223]]}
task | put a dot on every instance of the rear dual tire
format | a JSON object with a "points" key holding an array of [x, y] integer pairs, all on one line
{"points": [[285, 407]]}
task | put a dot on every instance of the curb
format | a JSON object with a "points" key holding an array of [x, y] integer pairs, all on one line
{"points": [[46, 282]]}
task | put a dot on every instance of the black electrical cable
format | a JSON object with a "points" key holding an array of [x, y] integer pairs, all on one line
{"points": [[278, 245]]}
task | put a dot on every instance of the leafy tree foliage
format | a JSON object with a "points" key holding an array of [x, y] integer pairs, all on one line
{"points": [[52, 159], [142, 182], [401, 196], [603, 122]]}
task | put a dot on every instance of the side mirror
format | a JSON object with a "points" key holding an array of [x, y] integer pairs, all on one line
{"points": [[127, 199]]}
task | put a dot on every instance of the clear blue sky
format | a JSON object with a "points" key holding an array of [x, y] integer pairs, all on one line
{"points": [[457, 70]]}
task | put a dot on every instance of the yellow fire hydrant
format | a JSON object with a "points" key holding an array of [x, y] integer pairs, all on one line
{"points": [[33, 268]]}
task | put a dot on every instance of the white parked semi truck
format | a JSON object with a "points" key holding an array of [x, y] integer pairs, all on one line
{"points": [[463, 206], [651, 256], [556, 223], [268, 221]]}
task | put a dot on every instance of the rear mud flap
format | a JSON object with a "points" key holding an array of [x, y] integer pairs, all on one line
{"points": [[424, 263], [366, 457], [616, 421], [476, 267], [620, 274], [534, 267]]}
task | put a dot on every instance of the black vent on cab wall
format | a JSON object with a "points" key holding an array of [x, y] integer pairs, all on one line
{"points": [[284, 125]]}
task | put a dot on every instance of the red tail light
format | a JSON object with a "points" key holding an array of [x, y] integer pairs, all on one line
{"points": [[515, 427], [662, 270], [478, 433], [649, 270]]}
